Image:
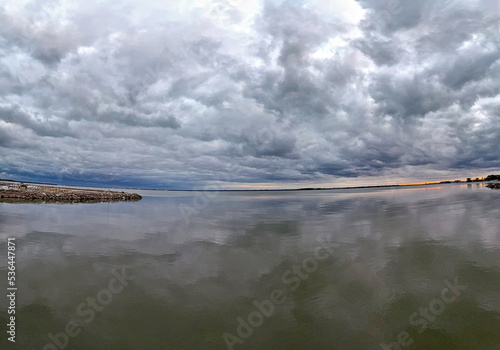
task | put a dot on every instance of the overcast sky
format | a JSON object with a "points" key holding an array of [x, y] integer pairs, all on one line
{"points": [[242, 93]]}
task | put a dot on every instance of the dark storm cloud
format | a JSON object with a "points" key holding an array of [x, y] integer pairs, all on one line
{"points": [[469, 69], [392, 16], [183, 95], [406, 97], [5, 139], [381, 51], [14, 115]]}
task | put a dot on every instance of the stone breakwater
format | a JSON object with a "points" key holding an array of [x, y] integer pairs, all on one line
{"points": [[495, 186], [68, 195]]}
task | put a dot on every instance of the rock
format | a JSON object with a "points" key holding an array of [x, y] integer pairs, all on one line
{"points": [[90, 196]]}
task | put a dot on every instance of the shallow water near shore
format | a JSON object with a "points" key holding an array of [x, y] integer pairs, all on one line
{"points": [[394, 268]]}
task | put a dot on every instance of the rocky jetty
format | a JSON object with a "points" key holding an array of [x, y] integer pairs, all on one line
{"points": [[59, 194], [495, 186]]}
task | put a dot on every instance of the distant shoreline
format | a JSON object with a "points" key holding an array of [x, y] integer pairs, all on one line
{"points": [[324, 188], [92, 188]]}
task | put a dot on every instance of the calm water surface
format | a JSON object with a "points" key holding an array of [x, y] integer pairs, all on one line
{"points": [[408, 268]]}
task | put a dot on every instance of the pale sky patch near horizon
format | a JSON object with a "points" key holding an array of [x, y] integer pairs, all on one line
{"points": [[277, 94]]}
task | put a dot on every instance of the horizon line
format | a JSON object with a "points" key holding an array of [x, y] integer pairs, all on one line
{"points": [[481, 179]]}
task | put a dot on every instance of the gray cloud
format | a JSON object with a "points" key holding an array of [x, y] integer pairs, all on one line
{"points": [[254, 92]]}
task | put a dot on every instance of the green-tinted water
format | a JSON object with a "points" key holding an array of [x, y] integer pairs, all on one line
{"points": [[412, 268]]}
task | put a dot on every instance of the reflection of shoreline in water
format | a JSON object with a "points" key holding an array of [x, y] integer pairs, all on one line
{"points": [[495, 186]]}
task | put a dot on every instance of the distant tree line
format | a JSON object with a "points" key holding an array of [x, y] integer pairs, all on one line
{"points": [[487, 178]]}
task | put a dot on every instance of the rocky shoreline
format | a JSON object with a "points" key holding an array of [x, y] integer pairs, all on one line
{"points": [[495, 186], [59, 194]]}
